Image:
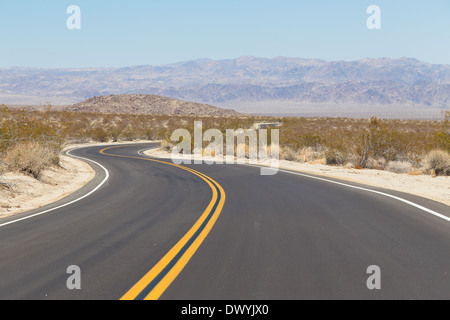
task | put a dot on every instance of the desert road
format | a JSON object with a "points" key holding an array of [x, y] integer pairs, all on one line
{"points": [[144, 229]]}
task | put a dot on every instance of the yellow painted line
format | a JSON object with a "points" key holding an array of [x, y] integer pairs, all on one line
{"points": [[170, 257]]}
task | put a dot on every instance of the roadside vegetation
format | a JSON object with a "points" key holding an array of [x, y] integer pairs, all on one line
{"points": [[31, 141], [401, 146]]}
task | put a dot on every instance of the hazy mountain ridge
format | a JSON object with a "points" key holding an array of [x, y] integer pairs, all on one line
{"points": [[403, 81]]}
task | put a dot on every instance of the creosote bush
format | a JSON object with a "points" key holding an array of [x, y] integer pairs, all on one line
{"points": [[442, 138], [437, 162]]}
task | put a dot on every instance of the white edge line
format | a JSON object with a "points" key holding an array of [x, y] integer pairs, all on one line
{"points": [[145, 149], [434, 213], [139, 152], [71, 202]]}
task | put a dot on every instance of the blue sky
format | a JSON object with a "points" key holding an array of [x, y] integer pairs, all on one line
{"points": [[118, 33]]}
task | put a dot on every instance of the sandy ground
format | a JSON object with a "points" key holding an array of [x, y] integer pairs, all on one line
{"points": [[27, 193], [437, 188]]}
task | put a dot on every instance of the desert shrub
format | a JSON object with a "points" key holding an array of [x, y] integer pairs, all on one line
{"points": [[437, 162], [129, 135], [375, 142], [311, 154], [336, 157], [392, 141], [115, 134], [442, 137], [338, 150], [399, 166], [30, 157], [311, 140], [148, 134], [372, 163], [99, 135], [442, 140], [288, 154]]}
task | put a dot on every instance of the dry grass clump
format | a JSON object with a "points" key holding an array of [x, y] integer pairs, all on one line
{"points": [[437, 162], [290, 154], [31, 157], [309, 154], [336, 157], [374, 163]]}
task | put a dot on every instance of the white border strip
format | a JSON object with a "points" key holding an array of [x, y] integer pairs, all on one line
{"points": [[142, 150], [71, 202], [434, 213]]}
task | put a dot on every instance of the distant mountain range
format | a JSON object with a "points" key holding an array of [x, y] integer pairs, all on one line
{"points": [[247, 80]]}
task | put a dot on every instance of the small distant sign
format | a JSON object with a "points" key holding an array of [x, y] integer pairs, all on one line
{"points": [[267, 125]]}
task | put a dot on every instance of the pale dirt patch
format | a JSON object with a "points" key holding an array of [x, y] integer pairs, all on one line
{"points": [[437, 189], [27, 193]]}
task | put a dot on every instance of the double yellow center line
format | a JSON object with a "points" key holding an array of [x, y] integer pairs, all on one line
{"points": [[159, 278]]}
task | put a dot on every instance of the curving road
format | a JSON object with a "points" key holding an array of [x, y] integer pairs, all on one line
{"points": [[154, 230]]}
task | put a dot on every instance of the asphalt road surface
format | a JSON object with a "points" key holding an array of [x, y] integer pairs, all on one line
{"points": [[153, 230]]}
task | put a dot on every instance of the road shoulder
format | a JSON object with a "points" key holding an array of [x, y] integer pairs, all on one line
{"points": [[26, 193]]}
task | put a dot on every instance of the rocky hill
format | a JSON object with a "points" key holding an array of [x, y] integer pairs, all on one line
{"points": [[147, 104]]}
